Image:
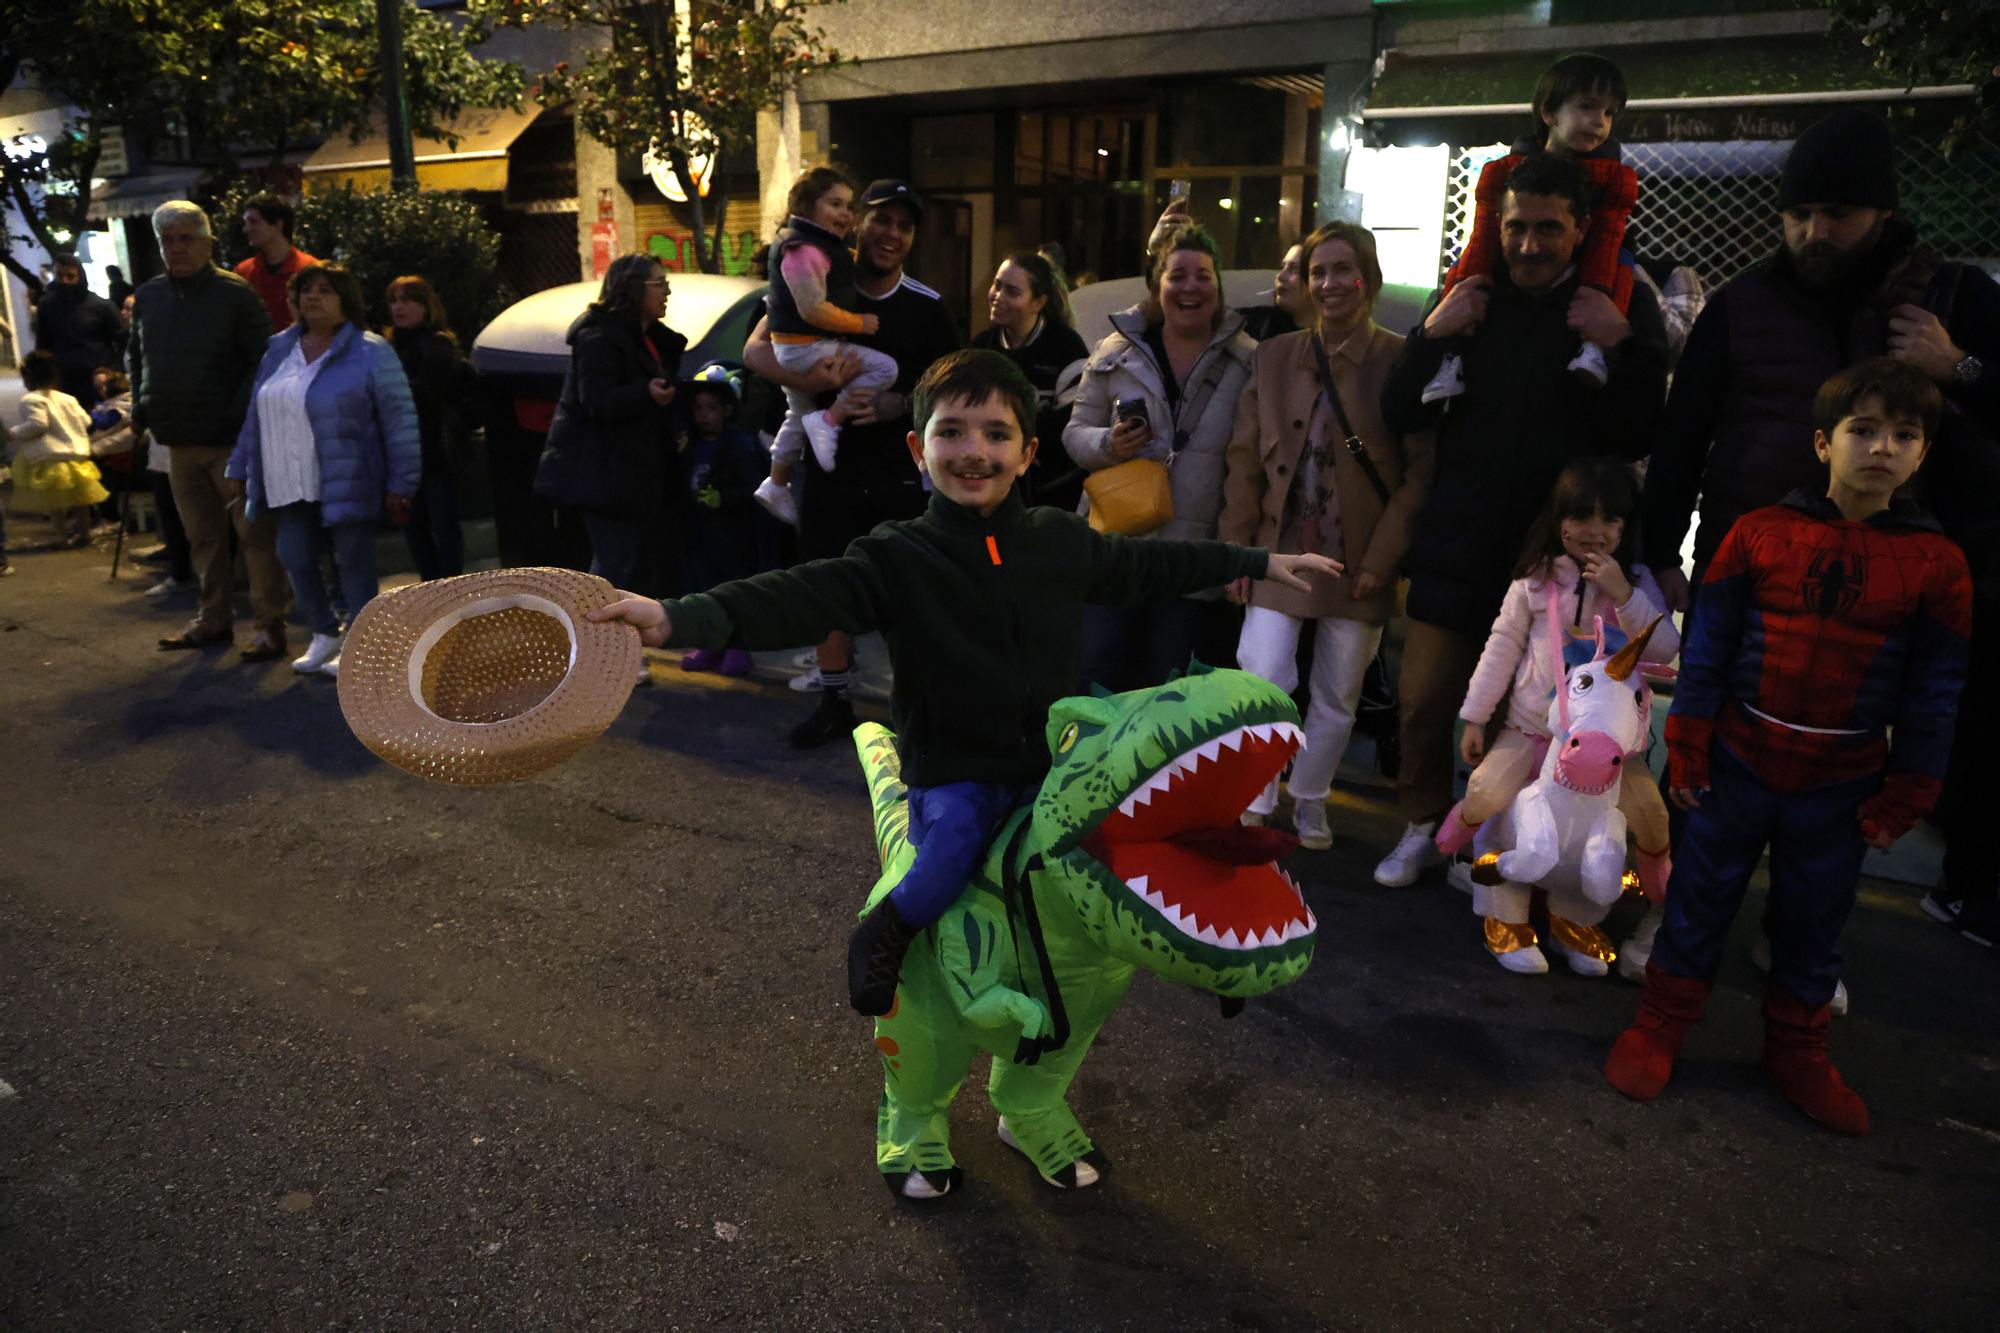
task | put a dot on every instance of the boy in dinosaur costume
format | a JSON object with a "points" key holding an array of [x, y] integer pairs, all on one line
{"points": [[1130, 855], [981, 603]]}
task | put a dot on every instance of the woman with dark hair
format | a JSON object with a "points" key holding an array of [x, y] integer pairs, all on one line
{"points": [[1163, 386], [610, 445], [1313, 467], [1029, 306], [440, 383], [330, 443]]}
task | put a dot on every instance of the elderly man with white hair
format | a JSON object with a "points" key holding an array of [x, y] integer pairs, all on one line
{"points": [[198, 334]]}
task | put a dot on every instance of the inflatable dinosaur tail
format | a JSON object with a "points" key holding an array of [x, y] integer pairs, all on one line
{"points": [[883, 767]]}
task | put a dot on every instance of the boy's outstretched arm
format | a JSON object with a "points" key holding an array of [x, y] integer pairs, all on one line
{"points": [[1128, 571], [641, 613], [782, 608]]}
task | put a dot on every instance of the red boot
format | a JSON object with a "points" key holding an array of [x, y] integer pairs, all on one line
{"points": [[1643, 1059], [1795, 1058]]}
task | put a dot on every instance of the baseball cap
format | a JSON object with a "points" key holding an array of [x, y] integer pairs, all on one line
{"points": [[892, 191]]}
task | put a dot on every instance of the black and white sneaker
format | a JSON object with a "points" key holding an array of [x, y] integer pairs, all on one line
{"points": [[1980, 922], [1940, 908]]}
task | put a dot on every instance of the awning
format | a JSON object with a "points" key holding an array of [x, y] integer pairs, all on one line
{"points": [[478, 163], [137, 196], [1679, 76]]}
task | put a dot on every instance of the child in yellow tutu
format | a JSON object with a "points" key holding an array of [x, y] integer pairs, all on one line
{"points": [[50, 444]]}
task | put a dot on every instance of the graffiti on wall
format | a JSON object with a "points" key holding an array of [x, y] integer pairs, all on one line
{"points": [[675, 251]]}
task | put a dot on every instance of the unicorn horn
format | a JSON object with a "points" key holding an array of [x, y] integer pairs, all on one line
{"points": [[1621, 663]]}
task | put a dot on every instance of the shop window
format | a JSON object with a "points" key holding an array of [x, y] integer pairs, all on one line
{"points": [[952, 152]]}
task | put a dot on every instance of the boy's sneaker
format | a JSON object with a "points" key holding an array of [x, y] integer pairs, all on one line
{"points": [[833, 720], [807, 683], [1590, 366], [1940, 908], [824, 436], [1309, 817], [1459, 875], [1449, 382], [778, 502], [1413, 854]]}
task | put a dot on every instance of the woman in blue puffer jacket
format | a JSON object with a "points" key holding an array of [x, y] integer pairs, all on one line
{"points": [[329, 444]]}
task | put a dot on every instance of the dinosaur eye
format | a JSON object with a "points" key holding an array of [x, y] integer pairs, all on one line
{"points": [[1067, 740]]}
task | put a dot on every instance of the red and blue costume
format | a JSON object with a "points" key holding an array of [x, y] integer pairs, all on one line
{"points": [[1819, 678]]}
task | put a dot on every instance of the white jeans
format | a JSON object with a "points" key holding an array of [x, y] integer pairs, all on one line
{"points": [[878, 371], [1342, 650]]}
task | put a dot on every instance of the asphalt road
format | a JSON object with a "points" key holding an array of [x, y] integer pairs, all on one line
{"points": [[297, 1041]]}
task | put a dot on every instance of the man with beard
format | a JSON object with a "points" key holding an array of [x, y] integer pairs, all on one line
{"points": [[875, 482], [1851, 281]]}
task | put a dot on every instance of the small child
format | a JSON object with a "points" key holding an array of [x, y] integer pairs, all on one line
{"points": [[981, 601], [50, 443], [722, 463], [1818, 687], [1576, 567], [1575, 103], [813, 294]]}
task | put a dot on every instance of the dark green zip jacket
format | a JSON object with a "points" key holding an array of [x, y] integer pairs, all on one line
{"points": [[983, 616], [196, 345]]}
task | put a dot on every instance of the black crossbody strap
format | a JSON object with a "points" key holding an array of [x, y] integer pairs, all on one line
{"points": [[1019, 895], [1355, 449]]}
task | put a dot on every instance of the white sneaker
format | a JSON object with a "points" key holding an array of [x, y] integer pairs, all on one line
{"points": [[807, 683], [332, 667], [324, 648], [1309, 817], [645, 676], [1413, 854], [1253, 818], [170, 585], [778, 501], [1449, 382], [824, 436], [1590, 365], [1459, 875], [1637, 949]]}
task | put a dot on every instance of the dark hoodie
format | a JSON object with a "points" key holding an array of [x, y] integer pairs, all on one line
{"points": [[610, 446]]}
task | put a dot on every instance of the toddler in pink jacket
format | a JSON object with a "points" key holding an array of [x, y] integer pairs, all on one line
{"points": [[1576, 567]]}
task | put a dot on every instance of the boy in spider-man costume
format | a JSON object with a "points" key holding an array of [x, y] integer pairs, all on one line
{"points": [[1576, 102], [1823, 623]]}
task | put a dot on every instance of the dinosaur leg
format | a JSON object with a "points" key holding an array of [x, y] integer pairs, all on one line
{"points": [[924, 1060], [1036, 1120]]}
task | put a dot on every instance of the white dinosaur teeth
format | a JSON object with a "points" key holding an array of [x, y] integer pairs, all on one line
{"points": [[1207, 935], [1211, 750], [1272, 937], [1137, 885], [1234, 740]]}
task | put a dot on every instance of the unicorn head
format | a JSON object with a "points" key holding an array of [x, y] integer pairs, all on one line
{"points": [[1601, 717]]}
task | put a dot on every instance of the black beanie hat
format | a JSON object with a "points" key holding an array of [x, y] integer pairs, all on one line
{"points": [[1847, 158]]}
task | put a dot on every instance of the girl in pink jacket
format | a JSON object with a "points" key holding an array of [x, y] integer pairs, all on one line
{"points": [[1577, 568]]}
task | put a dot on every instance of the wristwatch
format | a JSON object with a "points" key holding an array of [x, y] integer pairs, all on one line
{"points": [[1968, 371]]}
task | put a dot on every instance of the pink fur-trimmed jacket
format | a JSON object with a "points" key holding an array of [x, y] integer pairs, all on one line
{"points": [[1518, 655]]}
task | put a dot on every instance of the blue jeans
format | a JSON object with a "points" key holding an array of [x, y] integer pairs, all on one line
{"points": [[950, 826], [301, 539], [616, 545], [436, 541], [1816, 850]]}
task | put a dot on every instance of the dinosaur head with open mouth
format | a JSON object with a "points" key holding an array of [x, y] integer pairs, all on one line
{"points": [[1139, 819]]}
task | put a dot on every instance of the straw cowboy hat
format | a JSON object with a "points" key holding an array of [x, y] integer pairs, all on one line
{"points": [[486, 677]]}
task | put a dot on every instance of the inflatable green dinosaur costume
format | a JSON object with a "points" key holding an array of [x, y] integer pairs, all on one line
{"points": [[1131, 855]]}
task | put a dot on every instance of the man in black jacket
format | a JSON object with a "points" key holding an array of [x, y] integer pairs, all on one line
{"points": [[1499, 449], [1851, 281], [875, 482], [79, 328], [198, 335]]}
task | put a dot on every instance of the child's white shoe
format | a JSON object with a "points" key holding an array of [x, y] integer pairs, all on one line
{"points": [[1413, 853], [1590, 365], [778, 501], [824, 436], [1449, 382], [1309, 818]]}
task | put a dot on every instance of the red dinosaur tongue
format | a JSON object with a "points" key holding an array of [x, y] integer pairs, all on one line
{"points": [[1237, 844]]}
